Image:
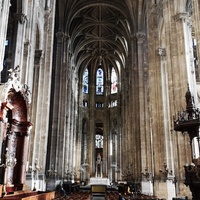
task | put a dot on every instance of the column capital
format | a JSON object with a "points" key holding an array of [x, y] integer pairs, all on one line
{"points": [[181, 16], [1, 6], [20, 17], [145, 72], [38, 56], [140, 37], [161, 52], [61, 36], [184, 17]]}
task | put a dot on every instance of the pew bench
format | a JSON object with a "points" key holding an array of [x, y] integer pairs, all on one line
{"points": [[30, 195]]}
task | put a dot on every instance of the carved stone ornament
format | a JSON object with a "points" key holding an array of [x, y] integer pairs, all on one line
{"points": [[60, 36], [189, 7], [181, 16], [1, 5], [13, 82], [161, 52], [38, 56], [20, 17], [47, 17], [25, 91], [140, 37]]}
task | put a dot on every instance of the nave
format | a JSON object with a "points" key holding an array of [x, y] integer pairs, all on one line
{"points": [[96, 89], [110, 192], [110, 195]]}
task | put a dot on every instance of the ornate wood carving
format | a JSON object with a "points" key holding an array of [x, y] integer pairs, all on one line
{"points": [[14, 116]]}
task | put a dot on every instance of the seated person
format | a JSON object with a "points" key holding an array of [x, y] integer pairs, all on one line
{"points": [[130, 189]]}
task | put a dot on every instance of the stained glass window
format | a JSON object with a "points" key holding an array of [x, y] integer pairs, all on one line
{"points": [[99, 141], [85, 81], [99, 82], [113, 81]]}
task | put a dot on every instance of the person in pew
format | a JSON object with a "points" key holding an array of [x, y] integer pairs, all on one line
{"points": [[130, 189], [60, 191]]}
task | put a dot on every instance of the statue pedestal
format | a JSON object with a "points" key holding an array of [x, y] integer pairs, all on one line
{"points": [[98, 167], [99, 170], [147, 187]]}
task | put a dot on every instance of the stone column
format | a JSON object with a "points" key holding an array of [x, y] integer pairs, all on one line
{"points": [[142, 104], [184, 28], [55, 131], [18, 38], [36, 102], [155, 144], [44, 85], [195, 23], [4, 14], [25, 62], [170, 177], [91, 136]]}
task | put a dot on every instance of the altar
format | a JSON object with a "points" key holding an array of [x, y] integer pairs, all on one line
{"points": [[99, 181]]}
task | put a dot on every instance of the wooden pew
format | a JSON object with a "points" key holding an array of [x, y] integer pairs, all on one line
{"points": [[30, 195], [19, 195], [42, 196], [1, 190]]}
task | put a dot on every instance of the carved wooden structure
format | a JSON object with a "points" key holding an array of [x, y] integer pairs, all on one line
{"points": [[15, 128], [189, 121]]}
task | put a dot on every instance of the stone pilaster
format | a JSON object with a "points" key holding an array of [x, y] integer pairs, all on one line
{"points": [[61, 140], [4, 15], [46, 68], [166, 114], [18, 38], [38, 56], [20, 17], [142, 105], [154, 99]]}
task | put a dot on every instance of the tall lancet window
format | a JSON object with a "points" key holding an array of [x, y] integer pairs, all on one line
{"points": [[85, 81], [113, 81], [99, 141], [99, 81]]}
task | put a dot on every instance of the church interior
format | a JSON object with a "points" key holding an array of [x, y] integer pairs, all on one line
{"points": [[99, 99]]}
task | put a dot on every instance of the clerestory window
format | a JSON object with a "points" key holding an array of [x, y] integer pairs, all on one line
{"points": [[85, 81], [99, 82], [113, 81]]}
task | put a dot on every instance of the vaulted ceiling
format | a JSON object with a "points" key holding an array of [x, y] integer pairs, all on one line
{"points": [[100, 31]]}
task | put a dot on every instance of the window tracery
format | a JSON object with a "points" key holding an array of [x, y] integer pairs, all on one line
{"points": [[113, 81], [99, 82], [85, 81]]}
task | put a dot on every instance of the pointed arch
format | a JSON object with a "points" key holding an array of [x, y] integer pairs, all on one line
{"points": [[86, 81], [114, 81], [99, 81]]}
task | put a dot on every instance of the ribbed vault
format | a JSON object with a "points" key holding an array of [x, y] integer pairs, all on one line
{"points": [[100, 35], [99, 31]]}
